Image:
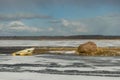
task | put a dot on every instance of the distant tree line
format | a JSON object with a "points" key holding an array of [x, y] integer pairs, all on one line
{"points": [[58, 37]]}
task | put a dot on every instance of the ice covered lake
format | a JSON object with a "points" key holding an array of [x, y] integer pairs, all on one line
{"points": [[74, 43], [58, 67]]}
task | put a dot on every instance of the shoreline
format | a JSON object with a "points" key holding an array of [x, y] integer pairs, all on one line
{"points": [[61, 39], [11, 49]]}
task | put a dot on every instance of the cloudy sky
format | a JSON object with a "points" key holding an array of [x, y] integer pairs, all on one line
{"points": [[59, 17]]}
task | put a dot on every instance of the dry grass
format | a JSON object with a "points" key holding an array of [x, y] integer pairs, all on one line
{"points": [[46, 50], [102, 51]]}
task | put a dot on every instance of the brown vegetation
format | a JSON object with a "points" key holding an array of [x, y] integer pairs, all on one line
{"points": [[91, 49], [86, 49]]}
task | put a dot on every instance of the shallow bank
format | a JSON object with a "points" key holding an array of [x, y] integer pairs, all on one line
{"points": [[9, 50], [103, 51]]}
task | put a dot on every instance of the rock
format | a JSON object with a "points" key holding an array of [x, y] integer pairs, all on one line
{"points": [[89, 47]]}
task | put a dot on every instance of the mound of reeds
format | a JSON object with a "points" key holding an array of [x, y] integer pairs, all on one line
{"points": [[90, 49]]}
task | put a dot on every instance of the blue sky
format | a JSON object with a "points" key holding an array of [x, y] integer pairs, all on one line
{"points": [[59, 17]]}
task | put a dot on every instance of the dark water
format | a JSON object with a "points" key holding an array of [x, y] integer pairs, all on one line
{"points": [[66, 64]]}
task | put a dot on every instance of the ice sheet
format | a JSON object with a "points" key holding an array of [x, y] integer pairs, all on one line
{"points": [[75, 43], [58, 66]]}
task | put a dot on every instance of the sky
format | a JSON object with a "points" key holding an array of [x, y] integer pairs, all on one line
{"points": [[59, 17]]}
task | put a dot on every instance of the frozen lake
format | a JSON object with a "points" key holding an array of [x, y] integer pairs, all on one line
{"points": [[58, 67], [75, 43]]}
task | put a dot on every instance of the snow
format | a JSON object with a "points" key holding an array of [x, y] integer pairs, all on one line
{"points": [[58, 66], [66, 62], [35, 76], [74, 43], [66, 52]]}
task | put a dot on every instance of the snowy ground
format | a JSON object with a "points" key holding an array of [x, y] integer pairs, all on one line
{"points": [[59, 66], [35, 76]]}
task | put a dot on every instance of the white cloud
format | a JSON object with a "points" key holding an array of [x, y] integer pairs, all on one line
{"points": [[1, 26], [100, 25], [81, 29], [65, 23], [50, 29], [104, 25], [18, 26], [75, 25], [20, 16]]}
